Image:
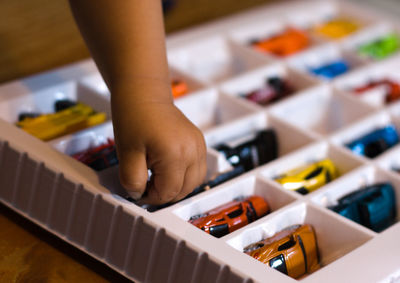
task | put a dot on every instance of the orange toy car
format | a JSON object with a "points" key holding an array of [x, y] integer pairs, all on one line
{"points": [[231, 216], [179, 88], [287, 43], [292, 251]]}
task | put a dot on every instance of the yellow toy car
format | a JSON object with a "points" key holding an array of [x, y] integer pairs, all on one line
{"points": [[309, 177], [72, 119], [337, 28]]}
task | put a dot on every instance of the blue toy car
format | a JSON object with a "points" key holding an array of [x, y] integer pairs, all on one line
{"points": [[376, 142], [372, 206], [331, 70]]}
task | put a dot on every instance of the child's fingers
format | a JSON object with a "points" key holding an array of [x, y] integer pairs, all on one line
{"points": [[133, 173], [194, 177], [166, 184]]}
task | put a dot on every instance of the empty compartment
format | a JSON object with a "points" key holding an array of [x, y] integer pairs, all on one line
{"points": [[342, 161], [331, 246], [375, 43], [369, 137], [376, 85], [290, 82], [214, 59], [375, 209], [325, 62], [321, 110], [246, 186], [209, 108]]}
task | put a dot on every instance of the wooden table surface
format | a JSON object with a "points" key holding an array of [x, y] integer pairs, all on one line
{"points": [[38, 35]]}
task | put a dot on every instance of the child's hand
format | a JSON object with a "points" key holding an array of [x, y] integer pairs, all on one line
{"points": [[159, 137], [127, 41]]}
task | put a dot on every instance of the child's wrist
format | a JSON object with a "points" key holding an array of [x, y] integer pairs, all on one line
{"points": [[142, 90]]}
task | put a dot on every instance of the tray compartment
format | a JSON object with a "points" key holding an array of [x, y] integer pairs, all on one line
{"points": [[265, 30], [367, 175], [256, 79], [343, 161], [289, 137], [379, 71], [43, 101], [363, 127], [214, 59], [331, 246], [246, 185], [368, 35], [84, 140], [209, 108], [321, 56], [321, 110]]}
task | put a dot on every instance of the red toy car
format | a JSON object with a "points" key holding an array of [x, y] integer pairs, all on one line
{"points": [[274, 89], [231, 216], [99, 158], [392, 89]]}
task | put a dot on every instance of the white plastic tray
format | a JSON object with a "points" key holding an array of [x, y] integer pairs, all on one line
{"points": [[41, 182]]}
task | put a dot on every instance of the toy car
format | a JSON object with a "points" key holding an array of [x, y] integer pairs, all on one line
{"points": [[58, 106], [231, 216], [243, 157], [392, 89], [72, 119], [308, 178], [99, 158], [292, 251], [372, 206], [380, 48], [251, 153], [376, 142], [289, 42], [331, 70], [336, 28], [179, 88], [63, 104], [274, 89]]}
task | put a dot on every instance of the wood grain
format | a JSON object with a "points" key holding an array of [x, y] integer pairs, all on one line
{"points": [[39, 35]]}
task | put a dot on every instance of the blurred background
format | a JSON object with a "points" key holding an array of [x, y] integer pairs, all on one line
{"points": [[40, 35]]}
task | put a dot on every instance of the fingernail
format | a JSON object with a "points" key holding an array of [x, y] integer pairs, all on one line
{"points": [[135, 195]]}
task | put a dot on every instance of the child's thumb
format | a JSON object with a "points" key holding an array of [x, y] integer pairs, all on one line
{"points": [[133, 172]]}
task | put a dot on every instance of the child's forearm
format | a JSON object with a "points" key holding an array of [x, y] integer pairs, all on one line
{"points": [[127, 41]]}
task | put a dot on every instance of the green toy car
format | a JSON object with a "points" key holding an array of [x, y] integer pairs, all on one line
{"points": [[381, 48]]}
